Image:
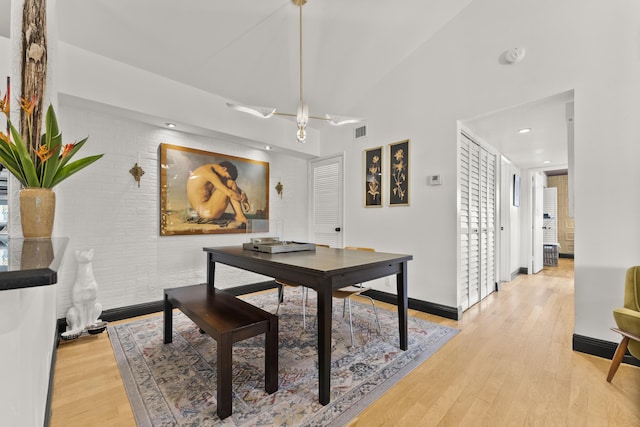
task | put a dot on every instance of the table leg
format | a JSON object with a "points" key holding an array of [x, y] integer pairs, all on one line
{"points": [[211, 270], [271, 357], [168, 320], [324, 343], [401, 282]]}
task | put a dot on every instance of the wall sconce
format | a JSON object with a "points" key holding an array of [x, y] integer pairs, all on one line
{"points": [[279, 188], [137, 173]]}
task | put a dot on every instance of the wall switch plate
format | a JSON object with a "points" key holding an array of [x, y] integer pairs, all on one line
{"points": [[434, 180]]}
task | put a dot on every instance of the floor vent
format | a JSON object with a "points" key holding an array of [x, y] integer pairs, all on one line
{"points": [[360, 132]]}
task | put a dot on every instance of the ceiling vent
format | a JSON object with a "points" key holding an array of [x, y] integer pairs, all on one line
{"points": [[360, 132]]}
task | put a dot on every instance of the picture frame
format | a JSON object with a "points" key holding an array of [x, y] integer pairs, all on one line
{"points": [[203, 192], [373, 177], [516, 190], [399, 173]]}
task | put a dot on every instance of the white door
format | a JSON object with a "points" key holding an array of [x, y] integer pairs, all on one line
{"points": [[477, 186], [487, 222], [327, 201], [537, 224]]}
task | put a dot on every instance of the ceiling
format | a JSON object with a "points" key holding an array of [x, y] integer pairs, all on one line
{"points": [[248, 51], [545, 146]]}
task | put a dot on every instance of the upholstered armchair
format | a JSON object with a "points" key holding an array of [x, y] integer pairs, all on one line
{"points": [[628, 320]]}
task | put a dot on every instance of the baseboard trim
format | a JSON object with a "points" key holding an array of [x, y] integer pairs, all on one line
{"points": [[130, 311], [600, 348], [127, 312], [415, 304]]}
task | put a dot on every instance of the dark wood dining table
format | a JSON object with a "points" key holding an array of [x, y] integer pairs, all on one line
{"points": [[323, 270]]}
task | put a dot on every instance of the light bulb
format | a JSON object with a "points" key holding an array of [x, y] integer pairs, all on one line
{"points": [[301, 135]]}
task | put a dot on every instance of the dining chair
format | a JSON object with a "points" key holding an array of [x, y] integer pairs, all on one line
{"points": [[350, 291], [305, 293]]}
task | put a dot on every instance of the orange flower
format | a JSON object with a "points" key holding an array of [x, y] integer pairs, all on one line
{"points": [[27, 105], [67, 149], [4, 137], [44, 153], [4, 105]]}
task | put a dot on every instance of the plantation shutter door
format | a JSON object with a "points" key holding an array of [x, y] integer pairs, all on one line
{"points": [[487, 214], [474, 224], [464, 222], [477, 185], [327, 201]]}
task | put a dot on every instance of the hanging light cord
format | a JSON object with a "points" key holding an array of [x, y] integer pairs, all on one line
{"points": [[300, 51]]}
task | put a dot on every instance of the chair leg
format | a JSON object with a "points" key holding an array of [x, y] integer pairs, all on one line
{"points": [[280, 297], [375, 311], [617, 358], [350, 321]]}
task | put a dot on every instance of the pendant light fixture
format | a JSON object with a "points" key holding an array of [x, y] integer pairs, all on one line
{"points": [[302, 116]]}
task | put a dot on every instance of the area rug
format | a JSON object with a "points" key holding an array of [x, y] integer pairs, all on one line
{"points": [[174, 384]]}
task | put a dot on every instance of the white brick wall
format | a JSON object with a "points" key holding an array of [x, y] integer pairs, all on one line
{"points": [[102, 208]]}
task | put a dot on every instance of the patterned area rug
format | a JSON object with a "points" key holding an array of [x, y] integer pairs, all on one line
{"points": [[174, 384]]}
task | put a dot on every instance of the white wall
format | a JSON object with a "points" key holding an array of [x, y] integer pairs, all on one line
{"points": [[589, 46], [102, 208], [5, 66], [513, 218]]}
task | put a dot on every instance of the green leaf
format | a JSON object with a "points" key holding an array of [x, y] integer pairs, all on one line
{"points": [[54, 142], [21, 160], [73, 167], [27, 166], [8, 159]]}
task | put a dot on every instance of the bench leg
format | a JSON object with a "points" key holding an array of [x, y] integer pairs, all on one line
{"points": [[224, 369], [271, 357], [168, 320]]}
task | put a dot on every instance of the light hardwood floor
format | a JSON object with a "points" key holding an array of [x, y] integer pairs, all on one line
{"points": [[511, 365]]}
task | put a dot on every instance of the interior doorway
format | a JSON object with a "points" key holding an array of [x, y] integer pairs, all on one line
{"points": [[531, 138]]}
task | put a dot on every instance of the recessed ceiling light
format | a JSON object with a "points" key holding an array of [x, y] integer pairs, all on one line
{"points": [[267, 147], [546, 162], [525, 130], [170, 125]]}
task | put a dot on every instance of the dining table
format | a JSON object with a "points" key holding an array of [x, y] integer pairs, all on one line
{"points": [[323, 269]]}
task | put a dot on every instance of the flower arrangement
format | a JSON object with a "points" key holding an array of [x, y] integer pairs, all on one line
{"points": [[43, 162]]}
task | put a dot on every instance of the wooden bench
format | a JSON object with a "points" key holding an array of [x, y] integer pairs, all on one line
{"points": [[226, 319]]}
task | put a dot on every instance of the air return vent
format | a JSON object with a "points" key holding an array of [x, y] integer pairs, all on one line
{"points": [[360, 132]]}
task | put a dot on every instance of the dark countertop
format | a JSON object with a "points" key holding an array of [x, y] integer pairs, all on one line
{"points": [[25, 263]]}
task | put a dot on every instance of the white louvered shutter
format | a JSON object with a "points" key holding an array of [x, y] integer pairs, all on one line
{"points": [[327, 183], [477, 185]]}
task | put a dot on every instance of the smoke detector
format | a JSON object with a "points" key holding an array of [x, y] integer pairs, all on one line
{"points": [[514, 55]]}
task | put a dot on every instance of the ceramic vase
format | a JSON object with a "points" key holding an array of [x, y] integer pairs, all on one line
{"points": [[37, 210]]}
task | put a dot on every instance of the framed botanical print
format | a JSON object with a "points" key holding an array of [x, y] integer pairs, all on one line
{"points": [[202, 192], [373, 177], [399, 173]]}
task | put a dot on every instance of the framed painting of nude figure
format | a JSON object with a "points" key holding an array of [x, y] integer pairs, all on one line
{"points": [[202, 192]]}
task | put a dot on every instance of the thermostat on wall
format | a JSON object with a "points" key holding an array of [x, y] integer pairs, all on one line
{"points": [[434, 180]]}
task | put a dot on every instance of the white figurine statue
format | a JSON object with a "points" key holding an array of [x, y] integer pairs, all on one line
{"points": [[85, 310]]}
